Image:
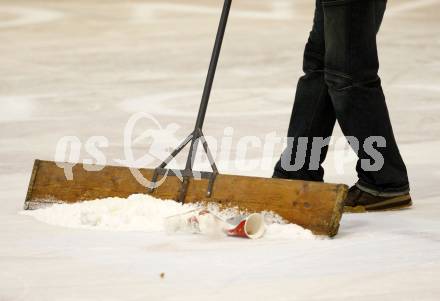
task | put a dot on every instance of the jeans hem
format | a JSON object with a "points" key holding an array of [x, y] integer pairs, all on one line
{"points": [[301, 176], [383, 193]]}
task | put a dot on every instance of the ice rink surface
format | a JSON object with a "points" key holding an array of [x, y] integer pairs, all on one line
{"points": [[82, 68]]}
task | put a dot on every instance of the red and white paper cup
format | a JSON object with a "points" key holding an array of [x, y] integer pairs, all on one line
{"points": [[252, 227]]}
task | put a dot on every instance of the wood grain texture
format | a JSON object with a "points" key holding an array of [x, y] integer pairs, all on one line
{"points": [[312, 205]]}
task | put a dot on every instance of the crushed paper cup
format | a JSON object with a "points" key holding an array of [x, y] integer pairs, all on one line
{"points": [[195, 221]]}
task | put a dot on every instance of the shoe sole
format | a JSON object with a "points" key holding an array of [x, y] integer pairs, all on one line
{"points": [[397, 203]]}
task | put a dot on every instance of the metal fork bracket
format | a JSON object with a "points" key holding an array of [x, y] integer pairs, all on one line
{"points": [[188, 173]]}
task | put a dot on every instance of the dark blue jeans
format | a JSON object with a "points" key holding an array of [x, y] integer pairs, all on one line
{"points": [[341, 83]]}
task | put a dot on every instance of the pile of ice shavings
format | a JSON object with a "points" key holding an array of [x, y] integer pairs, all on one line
{"points": [[140, 212]]}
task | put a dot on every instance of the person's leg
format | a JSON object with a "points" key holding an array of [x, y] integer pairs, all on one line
{"points": [[312, 114], [351, 74]]}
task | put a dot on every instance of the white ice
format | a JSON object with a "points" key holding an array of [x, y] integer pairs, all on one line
{"points": [[84, 67]]}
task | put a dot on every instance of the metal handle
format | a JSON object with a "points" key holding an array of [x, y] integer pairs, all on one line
{"points": [[213, 64], [197, 133]]}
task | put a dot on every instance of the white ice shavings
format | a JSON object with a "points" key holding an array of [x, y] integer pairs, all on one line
{"points": [[141, 212]]}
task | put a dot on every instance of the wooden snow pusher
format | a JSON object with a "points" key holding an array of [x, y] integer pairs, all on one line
{"points": [[312, 205]]}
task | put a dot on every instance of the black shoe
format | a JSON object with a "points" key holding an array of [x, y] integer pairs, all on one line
{"points": [[361, 201]]}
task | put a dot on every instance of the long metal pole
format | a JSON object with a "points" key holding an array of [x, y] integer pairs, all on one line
{"points": [[208, 83], [197, 133], [213, 64]]}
